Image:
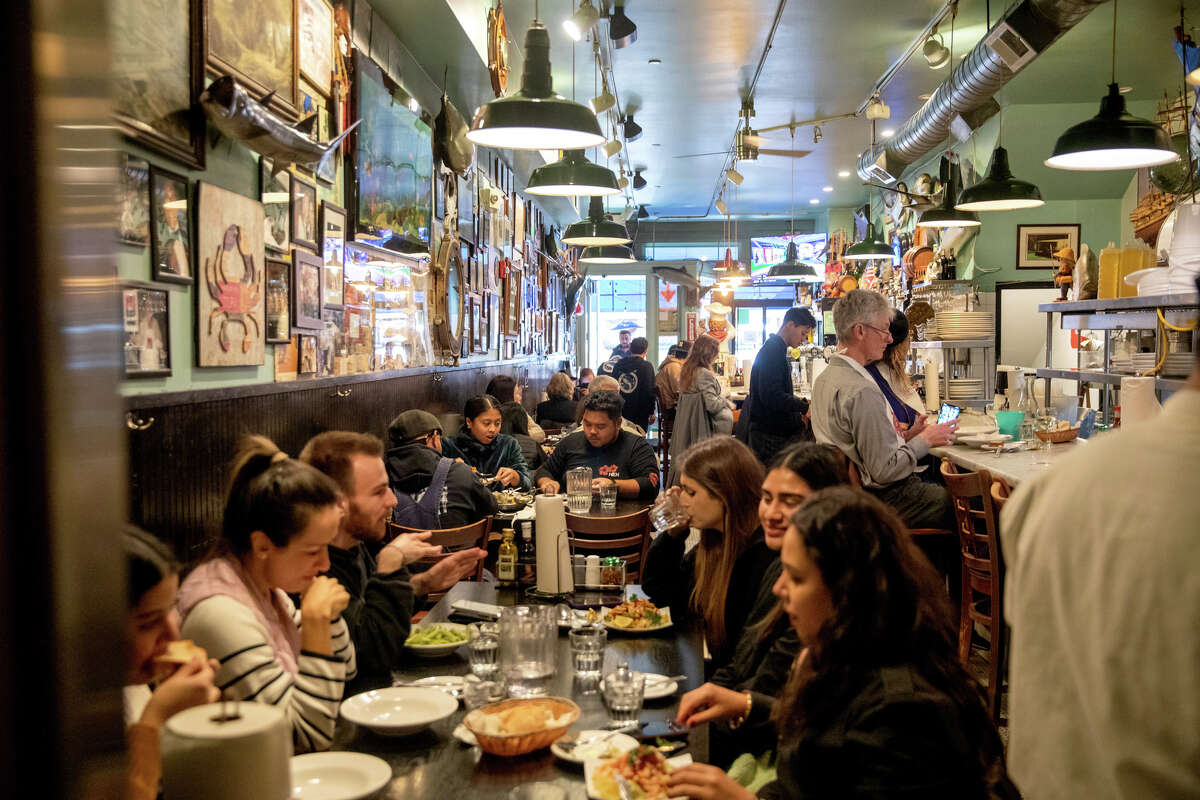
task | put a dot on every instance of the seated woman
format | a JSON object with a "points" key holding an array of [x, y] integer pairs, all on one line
{"points": [[908, 410], [515, 422], [484, 447], [586, 375], [559, 410], [280, 516], [719, 490], [878, 704], [509, 393], [155, 691], [702, 410]]}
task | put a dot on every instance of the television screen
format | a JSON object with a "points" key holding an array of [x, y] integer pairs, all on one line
{"points": [[768, 250], [393, 166]]}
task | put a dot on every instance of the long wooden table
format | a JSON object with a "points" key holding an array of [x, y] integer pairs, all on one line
{"points": [[433, 765]]}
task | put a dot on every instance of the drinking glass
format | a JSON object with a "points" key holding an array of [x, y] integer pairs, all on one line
{"points": [[579, 490], [608, 496], [587, 650], [477, 692], [667, 513], [623, 694], [528, 635], [484, 649]]}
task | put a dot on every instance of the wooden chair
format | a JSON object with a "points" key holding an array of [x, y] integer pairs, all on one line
{"points": [[451, 540], [666, 426], [627, 537], [982, 572]]}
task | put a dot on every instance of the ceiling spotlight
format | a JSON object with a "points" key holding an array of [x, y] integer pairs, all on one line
{"points": [[623, 181], [633, 131], [642, 212], [582, 20], [843, 173], [724, 209], [655, 61], [877, 110], [817, 135], [638, 181], [826, 188], [612, 147], [621, 29], [887, 133], [936, 53], [414, 106], [813, 201], [735, 176], [603, 101]]}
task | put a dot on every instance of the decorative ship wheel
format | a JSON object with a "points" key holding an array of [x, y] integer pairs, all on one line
{"points": [[498, 49]]}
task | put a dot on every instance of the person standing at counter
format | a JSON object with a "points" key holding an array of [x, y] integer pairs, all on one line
{"points": [[484, 447], [776, 416], [667, 378], [613, 454], [635, 377], [703, 410]]}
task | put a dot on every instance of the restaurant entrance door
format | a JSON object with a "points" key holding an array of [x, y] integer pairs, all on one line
{"points": [[615, 305]]}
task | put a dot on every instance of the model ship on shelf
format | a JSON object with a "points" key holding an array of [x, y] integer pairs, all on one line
{"points": [[1150, 214]]}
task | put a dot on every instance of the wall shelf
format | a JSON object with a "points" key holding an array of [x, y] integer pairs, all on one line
{"points": [[1109, 378]]}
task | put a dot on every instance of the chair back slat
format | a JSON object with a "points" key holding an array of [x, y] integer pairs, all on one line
{"points": [[626, 536], [451, 540]]}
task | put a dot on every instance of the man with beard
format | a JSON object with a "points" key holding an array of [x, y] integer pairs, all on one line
{"points": [[382, 588]]}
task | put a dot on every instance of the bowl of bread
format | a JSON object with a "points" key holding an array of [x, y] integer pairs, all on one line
{"points": [[519, 726], [1062, 432]]}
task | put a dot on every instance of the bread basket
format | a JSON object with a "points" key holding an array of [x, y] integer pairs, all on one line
{"points": [[1058, 437], [517, 744]]}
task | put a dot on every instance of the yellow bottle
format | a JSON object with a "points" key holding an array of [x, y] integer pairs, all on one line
{"points": [[1110, 268], [506, 560], [1131, 262]]}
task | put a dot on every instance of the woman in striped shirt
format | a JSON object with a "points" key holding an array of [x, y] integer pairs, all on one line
{"points": [[280, 516]]}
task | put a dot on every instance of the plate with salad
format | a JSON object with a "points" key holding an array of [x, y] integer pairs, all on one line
{"points": [[437, 639], [637, 615]]}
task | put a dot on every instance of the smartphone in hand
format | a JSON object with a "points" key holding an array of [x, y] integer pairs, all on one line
{"points": [[948, 413]]}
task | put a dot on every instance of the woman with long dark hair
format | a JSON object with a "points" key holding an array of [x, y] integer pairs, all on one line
{"points": [[878, 704], [891, 375], [485, 448], [717, 580], [510, 394], [702, 410], [280, 516]]}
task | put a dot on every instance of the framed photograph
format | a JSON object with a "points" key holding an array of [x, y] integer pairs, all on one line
{"points": [[254, 41], [279, 301], [315, 43], [230, 297], [146, 330], [1037, 244], [308, 355], [466, 207], [157, 70], [512, 303], [133, 201], [306, 290], [287, 360], [170, 227], [333, 255], [304, 213], [275, 191], [478, 324]]}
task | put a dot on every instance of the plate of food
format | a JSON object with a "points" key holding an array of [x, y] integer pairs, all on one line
{"points": [[637, 615], [644, 768], [518, 726], [437, 640], [593, 746], [511, 500]]}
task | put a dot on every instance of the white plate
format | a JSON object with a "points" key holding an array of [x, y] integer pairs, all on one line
{"points": [[665, 612], [338, 776], [981, 440], [658, 686], [617, 743], [438, 650], [590, 765], [399, 710], [452, 685]]}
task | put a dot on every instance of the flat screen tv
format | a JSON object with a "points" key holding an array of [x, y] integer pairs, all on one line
{"points": [[768, 250], [393, 159]]}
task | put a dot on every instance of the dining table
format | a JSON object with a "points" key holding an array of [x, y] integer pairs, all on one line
{"points": [[1014, 467], [434, 765]]}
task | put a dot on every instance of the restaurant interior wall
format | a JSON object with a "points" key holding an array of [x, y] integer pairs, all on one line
{"points": [[716, 230]]}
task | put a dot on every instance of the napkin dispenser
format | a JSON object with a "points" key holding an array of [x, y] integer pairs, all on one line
{"points": [[552, 546], [235, 751]]}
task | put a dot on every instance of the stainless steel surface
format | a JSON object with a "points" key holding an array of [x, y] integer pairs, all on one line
{"points": [[1129, 320], [1110, 378], [951, 344], [1181, 299]]}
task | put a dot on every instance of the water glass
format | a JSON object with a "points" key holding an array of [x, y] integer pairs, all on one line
{"points": [[528, 636], [579, 490], [587, 650], [666, 513], [484, 649], [623, 694], [608, 496], [477, 692]]}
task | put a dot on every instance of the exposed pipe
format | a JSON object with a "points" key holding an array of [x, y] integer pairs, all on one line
{"points": [[972, 83]]}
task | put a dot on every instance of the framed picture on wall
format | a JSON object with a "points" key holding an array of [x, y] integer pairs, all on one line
{"points": [[279, 301], [254, 41], [170, 227], [230, 297], [275, 191], [145, 330], [333, 254], [314, 48], [306, 290], [1037, 244], [511, 316], [308, 355], [304, 213], [133, 201]]}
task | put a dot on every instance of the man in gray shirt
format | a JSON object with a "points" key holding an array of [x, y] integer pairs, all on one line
{"points": [[850, 412]]}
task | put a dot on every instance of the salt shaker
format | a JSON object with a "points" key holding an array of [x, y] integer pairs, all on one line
{"points": [[591, 573]]}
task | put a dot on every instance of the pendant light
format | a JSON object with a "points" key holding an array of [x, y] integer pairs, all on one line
{"points": [[870, 248], [535, 118], [597, 230], [608, 254], [792, 269], [999, 191], [946, 215], [1114, 138], [621, 29], [572, 176], [632, 130]]}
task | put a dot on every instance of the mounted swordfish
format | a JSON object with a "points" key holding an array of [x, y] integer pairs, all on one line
{"points": [[239, 116]]}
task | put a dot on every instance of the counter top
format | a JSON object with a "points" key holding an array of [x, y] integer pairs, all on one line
{"points": [[1014, 468]]}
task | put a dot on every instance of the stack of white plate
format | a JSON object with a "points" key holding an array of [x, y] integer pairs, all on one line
{"points": [[1123, 365], [966, 325], [1185, 250], [1143, 361], [1178, 364], [966, 388]]}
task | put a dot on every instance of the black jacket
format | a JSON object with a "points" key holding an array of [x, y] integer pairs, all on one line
{"points": [[504, 451], [669, 576], [556, 411], [775, 414], [635, 375], [464, 499], [626, 457]]}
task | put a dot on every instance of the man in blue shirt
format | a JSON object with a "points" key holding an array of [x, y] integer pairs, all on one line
{"points": [[776, 415]]}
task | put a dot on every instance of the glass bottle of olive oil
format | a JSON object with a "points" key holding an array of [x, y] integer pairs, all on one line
{"points": [[506, 561]]}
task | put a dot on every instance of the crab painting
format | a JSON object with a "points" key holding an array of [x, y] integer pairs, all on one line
{"points": [[236, 299]]}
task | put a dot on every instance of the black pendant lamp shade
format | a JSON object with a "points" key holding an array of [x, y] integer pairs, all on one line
{"points": [[1113, 139], [946, 215], [572, 176], [632, 130], [638, 181], [621, 29], [597, 230], [869, 248], [642, 213], [792, 269], [999, 191], [611, 254], [534, 117]]}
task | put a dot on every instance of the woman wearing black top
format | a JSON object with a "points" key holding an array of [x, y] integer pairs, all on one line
{"points": [[717, 579], [559, 410], [484, 447], [515, 422], [878, 705]]}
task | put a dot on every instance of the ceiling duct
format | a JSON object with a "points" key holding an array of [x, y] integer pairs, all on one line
{"points": [[1027, 30]]}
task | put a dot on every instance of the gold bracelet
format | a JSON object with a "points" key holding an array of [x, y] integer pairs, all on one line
{"points": [[739, 721]]}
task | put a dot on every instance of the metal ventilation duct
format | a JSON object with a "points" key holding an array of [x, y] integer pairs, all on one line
{"points": [[1032, 25]]}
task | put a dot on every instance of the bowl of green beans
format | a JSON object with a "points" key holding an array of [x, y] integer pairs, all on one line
{"points": [[437, 639]]}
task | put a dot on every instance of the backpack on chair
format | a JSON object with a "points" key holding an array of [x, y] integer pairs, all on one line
{"points": [[426, 512]]}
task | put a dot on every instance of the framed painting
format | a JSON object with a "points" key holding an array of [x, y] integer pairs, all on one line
{"points": [[170, 227], [306, 290], [311, 103], [333, 255], [304, 213], [275, 191], [1037, 244], [230, 296], [314, 45], [146, 330], [466, 207], [254, 41], [279, 301], [287, 360], [439, 194], [308, 355], [512, 303], [157, 71], [133, 201]]}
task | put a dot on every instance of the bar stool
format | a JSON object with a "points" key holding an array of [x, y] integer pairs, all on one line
{"points": [[982, 573], [666, 426]]}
